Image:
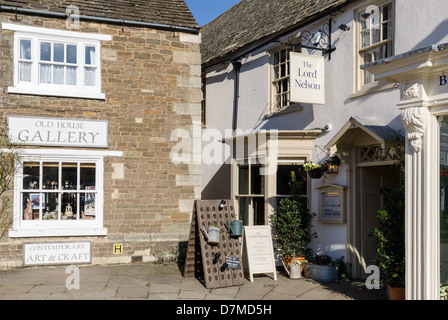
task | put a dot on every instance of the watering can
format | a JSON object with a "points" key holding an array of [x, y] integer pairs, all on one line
{"points": [[236, 228], [293, 270], [212, 234]]}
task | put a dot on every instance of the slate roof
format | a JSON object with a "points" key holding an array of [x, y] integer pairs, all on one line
{"points": [[169, 12], [252, 20]]}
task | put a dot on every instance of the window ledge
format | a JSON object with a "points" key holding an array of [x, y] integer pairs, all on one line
{"points": [[376, 86], [288, 109], [74, 93], [56, 232]]}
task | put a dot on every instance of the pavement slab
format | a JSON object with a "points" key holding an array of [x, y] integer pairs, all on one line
{"points": [[151, 281]]}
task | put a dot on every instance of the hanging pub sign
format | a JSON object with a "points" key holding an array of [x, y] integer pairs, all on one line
{"points": [[307, 78], [58, 132]]}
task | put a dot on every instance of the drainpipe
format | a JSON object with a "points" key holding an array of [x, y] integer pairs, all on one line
{"points": [[99, 19], [236, 67]]}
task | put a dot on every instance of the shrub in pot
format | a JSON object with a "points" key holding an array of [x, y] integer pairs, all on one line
{"points": [[390, 234], [291, 224]]}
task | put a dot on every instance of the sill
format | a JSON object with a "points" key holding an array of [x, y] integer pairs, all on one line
{"points": [[373, 87], [56, 232], [75, 93], [285, 110]]}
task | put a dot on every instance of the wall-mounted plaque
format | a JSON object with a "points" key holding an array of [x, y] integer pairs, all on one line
{"points": [[332, 204]]}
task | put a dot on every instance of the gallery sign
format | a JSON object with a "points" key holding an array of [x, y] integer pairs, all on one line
{"points": [[58, 132], [56, 253], [307, 78]]}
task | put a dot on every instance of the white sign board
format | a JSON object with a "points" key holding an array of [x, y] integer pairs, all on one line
{"points": [[58, 132], [56, 253], [259, 250], [307, 78]]}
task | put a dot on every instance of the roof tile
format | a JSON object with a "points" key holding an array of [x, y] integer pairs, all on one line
{"points": [[169, 12], [252, 20]]}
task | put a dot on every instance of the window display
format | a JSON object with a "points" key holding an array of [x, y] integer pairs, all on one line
{"points": [[58, 191]]}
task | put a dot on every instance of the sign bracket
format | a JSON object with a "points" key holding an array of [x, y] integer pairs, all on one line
{"points": [[320, 40]]}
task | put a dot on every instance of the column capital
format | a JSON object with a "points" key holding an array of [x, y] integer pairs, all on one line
{"points": [[415, 120]]}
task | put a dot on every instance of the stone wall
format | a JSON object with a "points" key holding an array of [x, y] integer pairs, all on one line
{"points": [[152, 84]]}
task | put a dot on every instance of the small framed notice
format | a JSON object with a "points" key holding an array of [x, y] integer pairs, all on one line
{"points": [[332, 204], [259, 250]]}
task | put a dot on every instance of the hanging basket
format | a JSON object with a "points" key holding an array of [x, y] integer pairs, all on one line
{"points": [[316, 173]]}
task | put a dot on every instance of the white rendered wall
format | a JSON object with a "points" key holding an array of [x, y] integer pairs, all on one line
{"points": [[416, 25]]}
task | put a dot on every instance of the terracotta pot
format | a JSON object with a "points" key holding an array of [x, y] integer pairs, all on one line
{"points": [[395, 293]]}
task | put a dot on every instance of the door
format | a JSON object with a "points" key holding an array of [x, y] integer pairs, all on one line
{"points": [[372, 180]]}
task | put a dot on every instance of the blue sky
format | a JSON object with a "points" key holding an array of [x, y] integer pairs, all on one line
{"points": [[205, 11]]}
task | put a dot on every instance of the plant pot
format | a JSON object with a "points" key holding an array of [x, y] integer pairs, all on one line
{"points": [[321, 273], [316, 174], [395, 293], [289, 260]]}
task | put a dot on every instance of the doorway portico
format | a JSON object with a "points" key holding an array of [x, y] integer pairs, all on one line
{"points": [[367, 148]]}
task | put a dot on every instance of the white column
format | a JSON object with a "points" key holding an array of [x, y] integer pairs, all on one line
{"points": [[422, 197]]}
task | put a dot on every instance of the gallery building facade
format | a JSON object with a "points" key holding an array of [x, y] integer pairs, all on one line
{"points": [[90, 96], [373, 74]]}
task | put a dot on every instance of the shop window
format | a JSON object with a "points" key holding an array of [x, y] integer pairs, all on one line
{"points": [[251, 189], [284, 177], [58, 197], [58, 191], [250, 193], [375, 32], [55, 62]]}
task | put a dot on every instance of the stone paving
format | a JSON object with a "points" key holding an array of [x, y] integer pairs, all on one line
{"points": [[164, 282]]}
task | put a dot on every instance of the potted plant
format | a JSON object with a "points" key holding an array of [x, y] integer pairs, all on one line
{"points": [[322, 268], [390, 237], [291, 225], [315, 170]]}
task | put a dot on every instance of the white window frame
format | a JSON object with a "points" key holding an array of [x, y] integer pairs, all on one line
{"points": [[360, 84], [37, 35], [52, 228], [249, 163], [274, 108]]}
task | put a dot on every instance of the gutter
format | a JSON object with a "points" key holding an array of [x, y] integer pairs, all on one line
{"points": [[236, 67], [100, 19]]}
